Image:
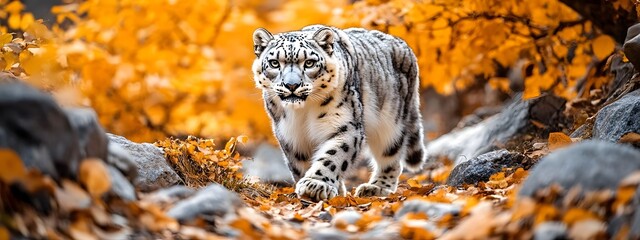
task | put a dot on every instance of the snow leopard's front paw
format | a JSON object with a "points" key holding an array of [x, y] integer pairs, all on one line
{"points": [[315, 189], [370, 190]]}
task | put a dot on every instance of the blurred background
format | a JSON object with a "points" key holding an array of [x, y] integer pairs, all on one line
{"points": [[157, 68]]}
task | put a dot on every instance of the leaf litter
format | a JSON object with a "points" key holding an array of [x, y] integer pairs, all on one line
{"points": [[81, 209]]}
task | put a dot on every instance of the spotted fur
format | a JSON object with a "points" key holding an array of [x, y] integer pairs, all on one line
{"points": [[336, 97]]}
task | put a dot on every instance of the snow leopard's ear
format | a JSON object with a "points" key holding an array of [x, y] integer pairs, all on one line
{"points": [[261, 38], [325, 37]]}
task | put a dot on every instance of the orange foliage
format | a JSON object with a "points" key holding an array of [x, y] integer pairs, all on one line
{"points": [[157, 68], [199, 163], [461, 43]]}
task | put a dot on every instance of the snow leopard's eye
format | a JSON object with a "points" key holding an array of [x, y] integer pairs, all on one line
{"points": [[309, 63], [274, 63]]}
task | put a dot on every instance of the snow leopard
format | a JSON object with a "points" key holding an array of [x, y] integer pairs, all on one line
{"points": [[337, 97]]}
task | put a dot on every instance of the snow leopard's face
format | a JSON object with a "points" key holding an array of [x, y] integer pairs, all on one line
{"points": [[294, 67]]}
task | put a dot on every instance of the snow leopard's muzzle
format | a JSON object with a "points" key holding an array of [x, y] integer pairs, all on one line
{"points": [[291, 88]]}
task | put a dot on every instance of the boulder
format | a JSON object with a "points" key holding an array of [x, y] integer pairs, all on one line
{"points": [[326, 216], [268, 165], [631, 45], [514, 120], [346, 217], [434, 210], [120, 158], [153, 169], [92, 139], [623, 74], [550, 231], [120, 185], [480, 168], [387, 229], [591, 164], [171, 194], [328, 234], [47, 137], [211, 201], [618, 118], [33, 125]]}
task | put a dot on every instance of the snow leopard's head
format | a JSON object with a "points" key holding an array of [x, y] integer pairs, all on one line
{"points": [[295, 67]]}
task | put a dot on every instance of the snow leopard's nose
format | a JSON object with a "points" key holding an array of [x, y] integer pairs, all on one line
{"points": [[292, 86], [292, 79]]}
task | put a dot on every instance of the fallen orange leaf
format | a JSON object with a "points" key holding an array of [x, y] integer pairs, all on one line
{"points": [[577, 214], [95, 176], [12, 168], [558, 140], [630, 138]]}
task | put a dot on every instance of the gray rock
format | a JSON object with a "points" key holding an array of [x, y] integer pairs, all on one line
{"points": [[346, 217], [47, 137], [630, 217], [591, 164], [631, 45], [120, 185], [120, 158], [153, 169], [635, 225], [211, 201], [480, 168], [623, 74], [268, 165], [584, 132], [326, 216], [615, 224], [385, 230], [34, 126], [91, 137], [328, 234], [515, 119], [618, 118], [171, 194], [434, 210], [550, 231]]}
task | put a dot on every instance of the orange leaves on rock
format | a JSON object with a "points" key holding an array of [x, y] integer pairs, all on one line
{"points": [[476, 226], [440, 175], [12, 168], [246, 228], [498, 180], [633, 138], [95, 176], [626, 190], [415, 181], [575, 215], [413, 229], [545, 212], [558, 140], [523, 208], [348, 201], [199, 162]]}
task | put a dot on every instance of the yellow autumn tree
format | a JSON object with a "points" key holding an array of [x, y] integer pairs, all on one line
{"points": [[460, 43], [165, 67]]}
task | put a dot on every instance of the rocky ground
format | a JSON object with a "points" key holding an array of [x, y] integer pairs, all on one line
{"points": [[541, 168]]}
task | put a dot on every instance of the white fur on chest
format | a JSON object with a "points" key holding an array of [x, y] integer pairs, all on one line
{"points": [[305, 130]]}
